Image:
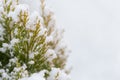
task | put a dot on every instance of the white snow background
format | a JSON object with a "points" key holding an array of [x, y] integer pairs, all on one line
{"points": [[92, 29]]}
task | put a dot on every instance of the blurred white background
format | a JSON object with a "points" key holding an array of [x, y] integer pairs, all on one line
{"points": [[93, 32]]}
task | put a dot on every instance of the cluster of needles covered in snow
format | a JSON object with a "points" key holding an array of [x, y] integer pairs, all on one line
{"points": [[31, 46]]}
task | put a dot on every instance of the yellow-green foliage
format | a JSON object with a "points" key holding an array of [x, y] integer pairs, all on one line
{"points": [[61, 59], [28, 41]]}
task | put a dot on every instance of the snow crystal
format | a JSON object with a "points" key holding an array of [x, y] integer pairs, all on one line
{"points": [[57, 74]]}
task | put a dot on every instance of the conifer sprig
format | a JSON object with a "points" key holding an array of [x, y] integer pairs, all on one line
{"points": [[30, 43]]}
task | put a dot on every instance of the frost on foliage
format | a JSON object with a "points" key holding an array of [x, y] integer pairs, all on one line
{"points": [[36, 76], [21, 71], [31, 62], [1, 33], [31, 45], [50, 55], [14, 41], [6, 46], [20, 9], [57, 74], [55, 39], [34, 17]]}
